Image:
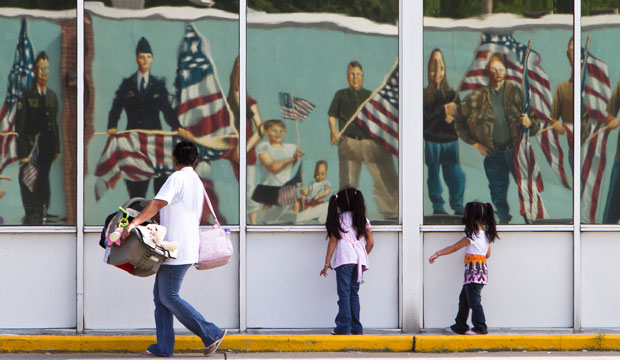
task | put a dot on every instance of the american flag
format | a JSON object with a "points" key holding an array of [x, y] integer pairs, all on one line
{"points": [[20, 79], [378, 116], [595, 93], [529, 180], [539, 92], [294, 108], [31, 169], [133, 156], [202, 109], [139, 156], [287, 194]]}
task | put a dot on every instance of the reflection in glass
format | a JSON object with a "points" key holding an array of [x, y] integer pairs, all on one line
{"points": [[38, 119], [129, 61], [498, 136], [330, 107], [600, 102]]}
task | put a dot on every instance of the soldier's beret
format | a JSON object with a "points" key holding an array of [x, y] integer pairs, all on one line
{"points": [[143, 47]]}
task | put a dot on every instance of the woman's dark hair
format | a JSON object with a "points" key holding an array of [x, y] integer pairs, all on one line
{"points": [[479, 213], [444, 87], [185, 152], [349, 199]]}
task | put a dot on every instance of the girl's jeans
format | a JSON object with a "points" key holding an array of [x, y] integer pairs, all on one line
{"points": [[470, 299], [168, 303], [348, 318]]}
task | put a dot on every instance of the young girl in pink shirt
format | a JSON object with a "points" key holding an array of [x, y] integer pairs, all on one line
{"points": [[350, 242]]}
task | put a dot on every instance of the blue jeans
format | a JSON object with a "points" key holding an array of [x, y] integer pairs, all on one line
{"points": [[445, 155], [348, 318], [612, 207], [470, 299], [498, 166], [168, 303]]}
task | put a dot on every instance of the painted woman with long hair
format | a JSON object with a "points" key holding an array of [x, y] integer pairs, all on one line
{"points": [[441, 148]]}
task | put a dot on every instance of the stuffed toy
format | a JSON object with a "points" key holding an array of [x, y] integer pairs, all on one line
{"points": [[153, 235]]}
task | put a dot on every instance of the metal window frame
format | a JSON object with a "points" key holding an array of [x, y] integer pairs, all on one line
{"points": [[411, 230]]}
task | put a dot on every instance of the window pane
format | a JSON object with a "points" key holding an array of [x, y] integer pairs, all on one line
{"points": [[38, 118], [600, 200], [478, 144], [324, 81], [132, 126]]}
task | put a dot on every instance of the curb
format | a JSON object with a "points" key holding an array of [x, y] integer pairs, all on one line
{"points": [[316, 343], [187, 344], [448, 343]]}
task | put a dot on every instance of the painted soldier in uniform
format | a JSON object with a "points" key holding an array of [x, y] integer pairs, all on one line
{"points": [[143, 96], [38, 144]]}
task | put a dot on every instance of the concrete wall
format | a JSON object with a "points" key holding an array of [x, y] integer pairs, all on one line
{"points": [[530, 281]]}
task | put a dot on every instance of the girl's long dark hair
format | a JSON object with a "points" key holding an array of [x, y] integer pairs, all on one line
{"points": [[349, 199], [480, 213]]}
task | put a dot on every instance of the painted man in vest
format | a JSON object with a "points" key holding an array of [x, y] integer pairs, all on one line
{"points": [[491, 120], [355, 146], [143, 97], [38, 144]]}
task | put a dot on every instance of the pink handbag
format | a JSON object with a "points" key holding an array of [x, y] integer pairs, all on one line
{"points": [[215, 245]]}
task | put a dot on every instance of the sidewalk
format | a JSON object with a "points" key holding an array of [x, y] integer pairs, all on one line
{"points": [[316, 343]]}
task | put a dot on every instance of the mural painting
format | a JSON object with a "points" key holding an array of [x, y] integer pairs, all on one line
{"points": [[38, 118], [500, 135]]}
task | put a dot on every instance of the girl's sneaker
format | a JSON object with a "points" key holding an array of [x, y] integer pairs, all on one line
{"points": [[450, 331], [471, 332]]}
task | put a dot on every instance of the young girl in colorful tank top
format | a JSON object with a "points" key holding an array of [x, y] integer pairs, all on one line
{"points": [[480, 232]]}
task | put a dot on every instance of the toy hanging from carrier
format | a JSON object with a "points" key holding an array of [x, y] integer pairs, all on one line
{"points": [[144, 250]]}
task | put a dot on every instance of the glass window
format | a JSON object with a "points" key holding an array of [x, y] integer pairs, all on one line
{"points": [[322, 109], [491, 134], [38, 117], [153, 78], [600, 101]]}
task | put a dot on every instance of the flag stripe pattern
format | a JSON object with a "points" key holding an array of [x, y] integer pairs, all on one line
{"points": [[20, 79], [379, 115], [529, 180], [133, 156], [202, 109], [539, 94], [596, 91], [294, 108], [138, 156]]}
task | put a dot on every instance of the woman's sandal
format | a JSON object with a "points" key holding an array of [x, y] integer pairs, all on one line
{"points": [[216, 344]]}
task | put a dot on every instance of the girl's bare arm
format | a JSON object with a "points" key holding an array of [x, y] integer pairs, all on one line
{"points": [[370, 241], [331, 246], [450, 249]]}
